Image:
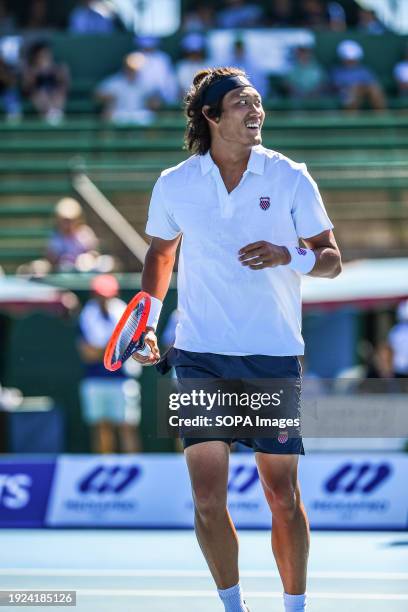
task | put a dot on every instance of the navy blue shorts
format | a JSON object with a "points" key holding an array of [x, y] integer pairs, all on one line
{"points": [[189, 365]]}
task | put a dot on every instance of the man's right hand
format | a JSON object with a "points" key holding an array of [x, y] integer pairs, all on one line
{"points": [[154, 353]]}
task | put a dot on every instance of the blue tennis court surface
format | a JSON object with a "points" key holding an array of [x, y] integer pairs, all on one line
{"points": [[163, 571]]}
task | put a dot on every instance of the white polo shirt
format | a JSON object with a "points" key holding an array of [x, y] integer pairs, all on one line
{"points": [[224, 307]]}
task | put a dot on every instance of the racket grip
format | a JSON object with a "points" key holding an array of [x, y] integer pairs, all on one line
{"points": [[142, 348], [144, 351]]}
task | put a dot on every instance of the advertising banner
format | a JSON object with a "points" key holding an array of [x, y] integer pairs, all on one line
{"points": [[355, 490], [339, 490], [24, 491], [120, 491]]}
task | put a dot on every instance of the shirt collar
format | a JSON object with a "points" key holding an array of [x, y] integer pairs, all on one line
{"points": [[256, 162], [206, 163]]}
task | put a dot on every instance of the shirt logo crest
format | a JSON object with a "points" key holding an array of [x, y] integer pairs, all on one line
{"points": [[301, 251], [264, 202]]}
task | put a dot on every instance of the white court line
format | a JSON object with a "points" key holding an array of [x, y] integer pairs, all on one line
{"points": [[187, 573], [158, 594], [249, 594], [165, 593]]}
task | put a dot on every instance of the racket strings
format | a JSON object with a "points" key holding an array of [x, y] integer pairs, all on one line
{"points": [[125, 343]]}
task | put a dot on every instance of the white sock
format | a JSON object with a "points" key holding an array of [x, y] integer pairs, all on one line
{"points": [[232, 599], [294, 603]]}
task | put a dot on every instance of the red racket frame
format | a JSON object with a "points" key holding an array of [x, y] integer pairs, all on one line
{"points": [[110, 348]]}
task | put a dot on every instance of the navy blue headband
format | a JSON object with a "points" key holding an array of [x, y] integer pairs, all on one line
{"points": [[219, 88]]}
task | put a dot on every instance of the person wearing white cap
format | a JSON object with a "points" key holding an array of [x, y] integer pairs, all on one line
{"points": [[71, 237], [355, 83], [126, 96]]}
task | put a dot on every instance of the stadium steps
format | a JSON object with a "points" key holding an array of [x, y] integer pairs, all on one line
{"points": [[92, 145], [293, 123], [25, 227], [359, 162], [25, 211]]}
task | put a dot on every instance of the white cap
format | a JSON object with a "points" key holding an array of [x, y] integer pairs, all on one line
{"points": [[349, 50], [402, 311]]}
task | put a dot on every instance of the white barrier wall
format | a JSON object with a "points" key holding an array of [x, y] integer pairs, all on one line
{"points": [[340, 491]]}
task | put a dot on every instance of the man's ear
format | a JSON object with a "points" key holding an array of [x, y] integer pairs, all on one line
{"points": [[204, 110]]}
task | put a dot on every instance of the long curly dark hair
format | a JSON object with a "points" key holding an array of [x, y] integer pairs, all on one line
{"points": [[197, 137]]}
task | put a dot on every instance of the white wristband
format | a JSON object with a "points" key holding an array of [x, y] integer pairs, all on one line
{"points": [[302, 260], [154, 314]]}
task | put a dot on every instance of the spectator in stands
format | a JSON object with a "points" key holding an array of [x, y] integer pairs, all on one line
{"points": [[193, 46], [354, 82], [401, 75], [7, 22], [280, 13], [92, 17], [36, 16], [9, 94], [337, 17], [110, 400], [46, 83], [71, 239], [240, 14], [368, 22], [158, 71], [312, 14], [127, 95], [200, 18], [306, 79], [398, 342], [240, 58]]}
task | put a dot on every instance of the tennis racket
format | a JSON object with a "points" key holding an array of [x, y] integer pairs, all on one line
{"points": [[128, 335]]}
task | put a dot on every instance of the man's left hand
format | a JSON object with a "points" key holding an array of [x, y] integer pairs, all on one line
{"points": [[262, 254]]}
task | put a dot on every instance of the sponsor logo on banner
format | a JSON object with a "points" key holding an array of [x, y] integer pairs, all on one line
{"points": [[116, 491], [358, 477], [96, 490], [362, 492], [24, 490], [109, 479]]}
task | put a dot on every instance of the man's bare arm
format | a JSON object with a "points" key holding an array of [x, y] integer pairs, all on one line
{"points": [[158, 266], [157, 270], [262, 254], [328, 258]]}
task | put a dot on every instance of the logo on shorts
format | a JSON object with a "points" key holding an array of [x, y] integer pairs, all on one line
{"points": [[301, 251], [283, 437], [264, 203]]}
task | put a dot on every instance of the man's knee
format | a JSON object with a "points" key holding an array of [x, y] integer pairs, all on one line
{"points": [[283, 499], [209, 505]]}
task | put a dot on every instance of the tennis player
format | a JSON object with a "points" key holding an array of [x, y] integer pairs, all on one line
{"points": [[241, 211]]}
